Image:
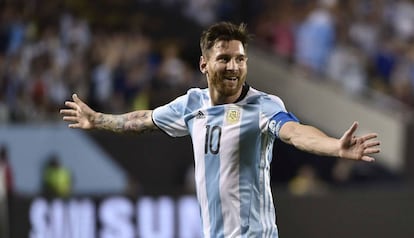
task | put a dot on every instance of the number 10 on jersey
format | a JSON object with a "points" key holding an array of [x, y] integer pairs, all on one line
{"points": [[212, 141]]}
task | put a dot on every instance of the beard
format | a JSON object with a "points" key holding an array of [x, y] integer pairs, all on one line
{"points": [[227, 84]]}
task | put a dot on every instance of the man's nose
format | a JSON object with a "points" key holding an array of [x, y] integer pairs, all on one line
{"points": [[232, 65]]}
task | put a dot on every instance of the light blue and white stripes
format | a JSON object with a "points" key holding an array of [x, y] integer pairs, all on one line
{"points": [[232, 152]]}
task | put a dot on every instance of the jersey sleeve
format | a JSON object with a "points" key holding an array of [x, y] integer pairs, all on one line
{"points": [[170, 117], [277, 121], [275, 114]]}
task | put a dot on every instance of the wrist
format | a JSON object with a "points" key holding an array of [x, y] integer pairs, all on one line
{"points": [[95, 119], [338, 152]]}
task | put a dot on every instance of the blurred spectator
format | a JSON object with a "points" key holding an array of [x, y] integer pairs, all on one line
{"points": [[74, 33], [365, 32], [4, 109], [133, 73], [189, 181], [56, 179], [172, 72], [133, 187], [6, 173], [6, 192], [402, 78], [368, 53], [384, 62], [107, 54], [307, 183], [4, 112], [67, 53], [348, 173], [275, 27], [44, 61], [402, 18], [12, 30], [76, 76], [202, 11], [347, 66], [315, 38]]}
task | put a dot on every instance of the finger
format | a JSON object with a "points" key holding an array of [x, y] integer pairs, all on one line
{"points": [[72, 105], [68, 112], [76, 98], [367, 158], [75, 125], [372, 151], [70, 119], [369, 136], [371, 144], [352, 129]]}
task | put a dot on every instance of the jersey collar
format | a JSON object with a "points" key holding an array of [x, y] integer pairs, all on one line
{"points": [[243, 94]]}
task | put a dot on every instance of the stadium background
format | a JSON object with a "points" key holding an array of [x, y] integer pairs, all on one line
{"points": [[126, 55]]}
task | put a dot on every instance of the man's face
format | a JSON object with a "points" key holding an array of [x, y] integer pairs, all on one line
{"points": [[225, 67]]}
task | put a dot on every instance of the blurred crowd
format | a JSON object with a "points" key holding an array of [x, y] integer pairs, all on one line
{"points": [[44, 61], [48, 52], [358, 44], [118, 60]]}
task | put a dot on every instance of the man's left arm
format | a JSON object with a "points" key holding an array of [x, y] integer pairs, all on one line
{"points": [[313, 140]]}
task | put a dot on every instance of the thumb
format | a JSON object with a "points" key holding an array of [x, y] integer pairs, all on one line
{"points": [[76, 98], [352, 129]]}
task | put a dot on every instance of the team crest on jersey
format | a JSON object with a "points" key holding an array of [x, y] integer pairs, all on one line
{"points": [[233, 115]]}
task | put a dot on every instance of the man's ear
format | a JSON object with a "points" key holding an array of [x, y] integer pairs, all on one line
{"points": [[203, 65]]}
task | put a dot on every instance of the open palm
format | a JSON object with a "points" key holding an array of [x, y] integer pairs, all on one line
{"points": [[358, 147], [79, 114]]}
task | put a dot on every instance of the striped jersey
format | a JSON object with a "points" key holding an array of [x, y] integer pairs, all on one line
{"points": [[232, 146]]}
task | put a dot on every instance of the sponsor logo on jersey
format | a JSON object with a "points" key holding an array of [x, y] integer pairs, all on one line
{"points": [[200, 115]]}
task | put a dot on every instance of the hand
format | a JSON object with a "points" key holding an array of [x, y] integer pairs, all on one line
{"points": [[358, 148], [79, 114]]}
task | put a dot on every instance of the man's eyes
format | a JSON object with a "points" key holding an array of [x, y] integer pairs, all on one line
{"points": [[241, 59], [223, 60], [227, 59]]}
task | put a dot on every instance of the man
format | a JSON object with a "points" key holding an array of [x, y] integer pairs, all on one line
{"points": [[6, 191], [6, 174], [57, 179], [233, 127]]}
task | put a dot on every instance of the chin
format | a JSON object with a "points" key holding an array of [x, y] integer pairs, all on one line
{"points": [[230, 91]]}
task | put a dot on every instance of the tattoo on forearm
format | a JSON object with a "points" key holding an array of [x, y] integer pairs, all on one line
{"points": [[137, 122]]}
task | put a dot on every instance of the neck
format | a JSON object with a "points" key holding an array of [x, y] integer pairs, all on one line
{"points": [[218, 99]]}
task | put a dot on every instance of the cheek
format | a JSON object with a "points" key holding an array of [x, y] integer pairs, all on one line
{"points": [[218, 68], [215, 71], [214, 77], [243, 69]]}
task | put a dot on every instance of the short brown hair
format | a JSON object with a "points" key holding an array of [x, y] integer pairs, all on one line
{"points": [[226, 31]]}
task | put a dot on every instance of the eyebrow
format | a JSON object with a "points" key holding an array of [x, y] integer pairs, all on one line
{"points": [[229, 55]]}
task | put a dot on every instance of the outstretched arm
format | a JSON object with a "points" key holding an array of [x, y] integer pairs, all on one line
{"points": [[82, 116], [311, 139]]}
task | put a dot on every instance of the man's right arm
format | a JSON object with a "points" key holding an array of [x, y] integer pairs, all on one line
{"points": [[136, 121], [82, 116]]}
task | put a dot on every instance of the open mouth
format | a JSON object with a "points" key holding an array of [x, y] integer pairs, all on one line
{"points": [[231, 78]]}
